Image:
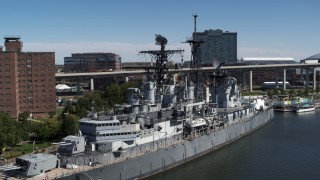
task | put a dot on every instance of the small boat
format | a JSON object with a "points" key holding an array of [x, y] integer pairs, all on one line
{"points": [[305, 108], [286, 103]]}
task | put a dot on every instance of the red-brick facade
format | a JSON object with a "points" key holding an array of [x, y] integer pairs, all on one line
{"points": [[27, 80]]}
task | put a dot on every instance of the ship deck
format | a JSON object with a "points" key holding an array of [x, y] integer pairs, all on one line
{"points": [[61, 172], [228, 110]]}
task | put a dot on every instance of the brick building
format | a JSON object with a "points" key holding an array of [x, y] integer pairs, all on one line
{"points": [[27, 80]]}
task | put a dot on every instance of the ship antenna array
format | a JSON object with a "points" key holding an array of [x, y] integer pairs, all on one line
{"points": [[195, 64], [161, 57]]}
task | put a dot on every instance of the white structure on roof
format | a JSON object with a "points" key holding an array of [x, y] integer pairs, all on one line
{"points": [[267, 60], [62, 88]]}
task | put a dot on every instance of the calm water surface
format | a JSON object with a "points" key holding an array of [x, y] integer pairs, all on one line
{"points": [[286, 148]]}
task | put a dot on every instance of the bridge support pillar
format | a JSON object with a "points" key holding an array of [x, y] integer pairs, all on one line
{"points": [[314, 78], [91, 84], [307, 78], [250, 81], [284, 79], [277, 79]]}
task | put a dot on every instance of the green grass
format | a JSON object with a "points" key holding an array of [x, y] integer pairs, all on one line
{"points": [[25, 148]]}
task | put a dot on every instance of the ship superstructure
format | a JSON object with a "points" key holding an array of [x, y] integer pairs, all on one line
{"points": [[159, 116], [164, 123]]}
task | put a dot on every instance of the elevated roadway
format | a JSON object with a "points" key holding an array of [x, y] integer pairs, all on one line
{"points": [[126, 73], [205, 69]]}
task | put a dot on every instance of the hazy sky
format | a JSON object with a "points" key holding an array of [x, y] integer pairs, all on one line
{"points": [[283, 28]]}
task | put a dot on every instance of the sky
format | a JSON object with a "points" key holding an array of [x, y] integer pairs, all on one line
{"points": [[266, 28]]}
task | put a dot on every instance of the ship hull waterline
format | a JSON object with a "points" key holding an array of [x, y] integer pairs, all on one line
{"points": [[166, 158]]}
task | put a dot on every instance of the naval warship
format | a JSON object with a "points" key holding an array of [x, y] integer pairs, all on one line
{"points": [[165, 123]]}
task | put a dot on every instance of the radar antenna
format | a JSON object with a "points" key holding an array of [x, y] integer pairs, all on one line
{"points": [[161, 56]]}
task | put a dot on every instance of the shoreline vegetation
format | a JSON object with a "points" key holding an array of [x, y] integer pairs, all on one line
{"points": [[34, 135]]}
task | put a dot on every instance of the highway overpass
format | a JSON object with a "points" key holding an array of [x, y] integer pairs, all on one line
{"points": [[125, 73]]}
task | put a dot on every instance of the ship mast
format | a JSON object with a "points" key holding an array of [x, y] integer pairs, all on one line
{"points": [[195, 64], [161, 56]]}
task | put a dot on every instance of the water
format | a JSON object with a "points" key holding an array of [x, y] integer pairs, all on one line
{"points": [[286, 148]]}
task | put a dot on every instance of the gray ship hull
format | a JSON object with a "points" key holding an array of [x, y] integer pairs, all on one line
{"points": [[174, 155]]}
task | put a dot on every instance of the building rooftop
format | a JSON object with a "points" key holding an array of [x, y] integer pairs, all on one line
{"points": [[268, 59], [9, 38], [314, 57]]}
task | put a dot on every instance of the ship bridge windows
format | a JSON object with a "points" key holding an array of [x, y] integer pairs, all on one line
{"points": [[116, 134], [109, 124], [99, 125]]}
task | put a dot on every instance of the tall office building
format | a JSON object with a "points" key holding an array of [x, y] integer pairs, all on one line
{"points": [[27, 80], [92, 62], [218, 45]]}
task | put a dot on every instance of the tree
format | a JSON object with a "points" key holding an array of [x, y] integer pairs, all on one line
{"points": [[269, 93], [275, 92], [113, 94], [68, 109], [8, 131], [24, 129], [96, 101], [299, 92], [81, 111], [70, 125], [306, 91], [283, 92], [292, 92], [43, 133], [84, 103], [54, 129], [35, 128], [24, 116], [47, 129], [91, 99]]}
